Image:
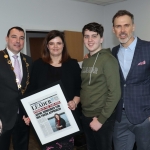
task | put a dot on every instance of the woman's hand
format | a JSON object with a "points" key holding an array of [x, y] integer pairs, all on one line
{"points": [[26, 120], [86, 56]]}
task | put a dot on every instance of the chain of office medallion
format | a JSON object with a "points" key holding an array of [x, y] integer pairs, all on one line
{"points": [[12, 68]]}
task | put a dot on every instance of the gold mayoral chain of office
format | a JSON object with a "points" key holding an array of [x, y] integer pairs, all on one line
{"points": [[12, 68]]}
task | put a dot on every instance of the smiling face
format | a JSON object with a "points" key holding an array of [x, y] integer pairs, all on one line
{"points": [[123, 28], [92, 41], [15, 41], [55, 47]]}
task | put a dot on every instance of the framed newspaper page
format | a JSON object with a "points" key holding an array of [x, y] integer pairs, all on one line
{"points": [[42, 108]]}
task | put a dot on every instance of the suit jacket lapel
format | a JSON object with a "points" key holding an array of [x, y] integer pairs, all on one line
{"points": [[24, 72], [10, 71], [120, 70]]}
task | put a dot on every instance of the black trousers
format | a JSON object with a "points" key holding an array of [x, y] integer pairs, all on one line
{"points": [[101, 139], [20, 136]]}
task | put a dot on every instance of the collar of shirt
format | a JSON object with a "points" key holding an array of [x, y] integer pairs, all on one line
{"points": [[12, 54], [131, 46]]}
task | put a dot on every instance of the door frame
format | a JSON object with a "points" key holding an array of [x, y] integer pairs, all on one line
{"points": [[24, 50]]}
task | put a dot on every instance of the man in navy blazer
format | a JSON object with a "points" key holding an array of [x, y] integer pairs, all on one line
{"points": [[11, 122], [133, 110]]}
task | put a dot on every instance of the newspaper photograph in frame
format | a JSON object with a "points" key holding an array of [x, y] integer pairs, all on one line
{"points": [[42, 106]]}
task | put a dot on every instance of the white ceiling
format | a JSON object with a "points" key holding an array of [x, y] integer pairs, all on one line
{"points": [[101, 2]]}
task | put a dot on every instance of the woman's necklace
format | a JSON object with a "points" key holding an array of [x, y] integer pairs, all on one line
{"points": [[12, 68]]}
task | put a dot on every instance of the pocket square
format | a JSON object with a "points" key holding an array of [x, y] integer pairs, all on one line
{"points": [[142, 63], [0, 127]]}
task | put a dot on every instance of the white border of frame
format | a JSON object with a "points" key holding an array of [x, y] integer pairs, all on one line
{"points": [[73, 128]]}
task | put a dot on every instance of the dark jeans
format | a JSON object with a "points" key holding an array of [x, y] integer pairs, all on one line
{"points": [[101, 139]]}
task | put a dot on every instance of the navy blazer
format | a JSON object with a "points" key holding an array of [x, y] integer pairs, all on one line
{"points": [[9, 93], [136, 87]]}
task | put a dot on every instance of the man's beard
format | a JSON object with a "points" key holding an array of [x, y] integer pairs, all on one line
{"points": [[124, 41]]}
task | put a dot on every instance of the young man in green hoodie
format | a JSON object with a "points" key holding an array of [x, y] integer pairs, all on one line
{"points": [[100, 89]]}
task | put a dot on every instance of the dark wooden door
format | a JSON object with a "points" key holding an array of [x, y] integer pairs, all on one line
{"points": [[36, 47]]}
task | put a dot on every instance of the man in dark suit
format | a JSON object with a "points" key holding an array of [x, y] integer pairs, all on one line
{"points": [[12, 86], [133, 110]]}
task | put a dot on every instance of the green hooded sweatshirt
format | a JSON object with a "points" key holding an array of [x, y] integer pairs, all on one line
{"points": [[100, 88]]}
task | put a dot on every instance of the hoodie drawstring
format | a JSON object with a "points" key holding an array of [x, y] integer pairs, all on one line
{"points": [[93, 68]]}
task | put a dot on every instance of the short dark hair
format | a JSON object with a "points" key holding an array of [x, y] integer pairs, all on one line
{"points": [[95, 27], [122, 13], [15, 27], [45, 51]]}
